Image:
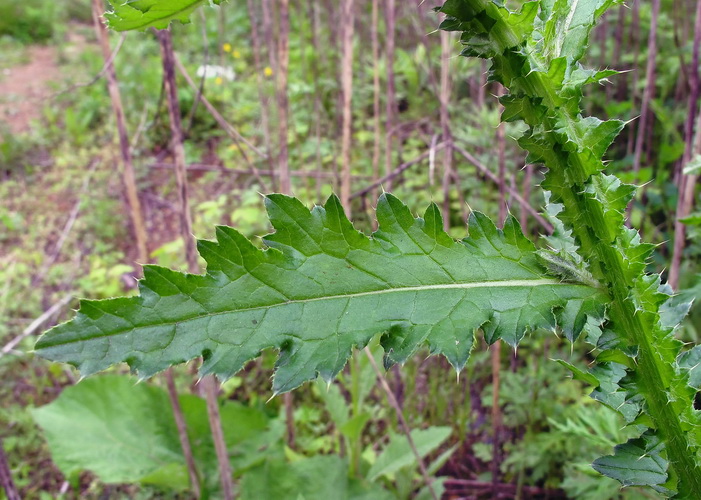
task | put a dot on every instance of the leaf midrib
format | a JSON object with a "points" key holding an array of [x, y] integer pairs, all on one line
{"points": [[524, 283]]}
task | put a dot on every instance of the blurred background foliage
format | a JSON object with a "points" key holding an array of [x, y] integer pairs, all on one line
{"points": [[64, 232]]}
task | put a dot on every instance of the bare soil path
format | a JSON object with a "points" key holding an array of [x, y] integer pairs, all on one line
{"points": [[24, 88]]}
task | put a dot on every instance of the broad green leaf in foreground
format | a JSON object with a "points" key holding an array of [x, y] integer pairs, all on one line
{"points": [[322, 288], [124, 433]]}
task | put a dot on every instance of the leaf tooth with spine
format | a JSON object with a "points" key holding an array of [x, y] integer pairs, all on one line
{"points": [[614, 197], [590, 135]]}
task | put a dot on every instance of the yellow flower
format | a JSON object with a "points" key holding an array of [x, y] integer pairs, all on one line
{"points": [[268, 71], [236, 54], [226, 47], [219, 80]]}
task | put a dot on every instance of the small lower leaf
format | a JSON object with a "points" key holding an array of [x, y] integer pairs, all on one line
{"points": [[636, 463], [398, 453]]}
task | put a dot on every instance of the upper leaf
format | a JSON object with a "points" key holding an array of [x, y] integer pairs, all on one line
{"points": [[567, 26], [131, 15], [322, 288]]}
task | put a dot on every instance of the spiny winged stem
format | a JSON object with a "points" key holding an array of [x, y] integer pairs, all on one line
{"points": [[535, 54]]}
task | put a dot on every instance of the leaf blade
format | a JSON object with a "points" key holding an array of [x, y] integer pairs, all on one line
{"points": [[321, 289]]}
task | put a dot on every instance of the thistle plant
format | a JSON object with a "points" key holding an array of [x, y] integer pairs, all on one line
{"points": [[321, 288]]}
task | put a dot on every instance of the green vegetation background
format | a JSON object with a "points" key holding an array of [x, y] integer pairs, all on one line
{"points": [[68, 162]]}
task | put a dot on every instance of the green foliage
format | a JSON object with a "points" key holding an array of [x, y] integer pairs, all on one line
{"points": [[101, 416], [316, 478], [105, 439], [121, 433], [398, 453], [323, 288], [14, 151], [142, 14], [535, 53], [39, 21], [28, 21]]}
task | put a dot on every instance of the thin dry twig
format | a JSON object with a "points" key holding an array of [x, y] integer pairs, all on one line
{"points": [[98, 76], [39, 277], [210, 384], [401, 168], [36, 324], [226, 126], [494, 178], [205, 167]]}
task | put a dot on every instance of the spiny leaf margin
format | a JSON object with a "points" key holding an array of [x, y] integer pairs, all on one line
{"points": [[322, 288]]}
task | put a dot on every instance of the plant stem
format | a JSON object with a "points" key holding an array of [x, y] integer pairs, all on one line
{"points": [[182, 432], [348, 17], [210, 384], [496, 414], [648, 93], [211, 390], [390, 111], [6, 477], [355, 446], [446, 136], [607, 267], [402, 422], [166, 42], [599, 245], [687, 183], [377, 120], [128, 176], [283, 59]]}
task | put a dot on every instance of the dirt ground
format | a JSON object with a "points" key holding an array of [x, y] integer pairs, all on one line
{"points": [[25, 88]]}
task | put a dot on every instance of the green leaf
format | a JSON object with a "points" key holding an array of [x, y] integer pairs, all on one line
{"points": [[131, 15], [566, 31], [316, 478], [398, 454], [125, 433], [690, 363], [694, 165], [636, 463], [353, 428], [693, 219], [591, 134], [99, 416], [579, 374], [321, 289]]}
